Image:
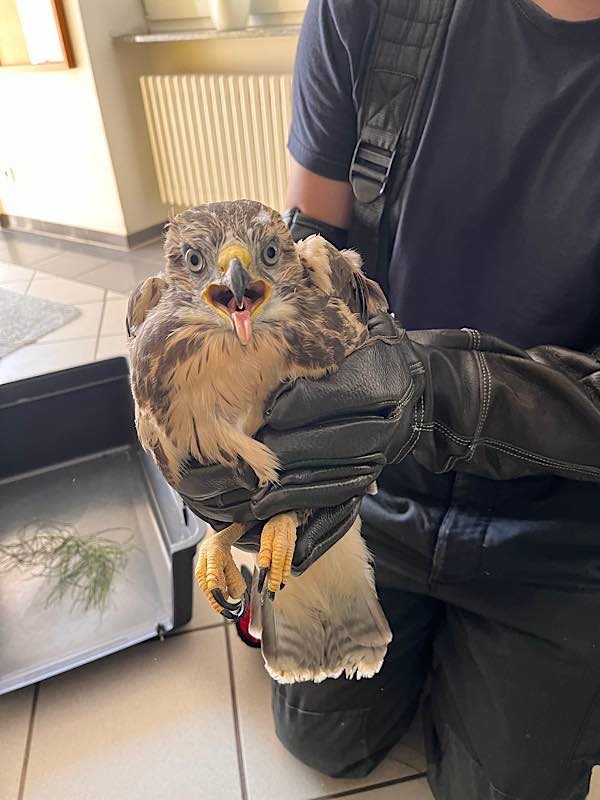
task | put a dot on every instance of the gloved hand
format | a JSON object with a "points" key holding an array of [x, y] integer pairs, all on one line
{"points": [[459, 400], [332, 436]]}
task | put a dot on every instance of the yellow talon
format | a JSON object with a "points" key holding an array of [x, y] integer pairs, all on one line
{"points": [[216, 569], [277, 543]]}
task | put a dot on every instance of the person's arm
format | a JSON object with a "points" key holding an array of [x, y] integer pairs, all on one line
{"points": [[326, 200], [317, 205], [322, 137], [499, 412]]}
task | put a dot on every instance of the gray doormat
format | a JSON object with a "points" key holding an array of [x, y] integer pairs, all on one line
{"points": [[25, 319]]}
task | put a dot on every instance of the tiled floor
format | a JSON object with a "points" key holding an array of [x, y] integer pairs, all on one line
{"points": [[187, 718], [94, 279]]}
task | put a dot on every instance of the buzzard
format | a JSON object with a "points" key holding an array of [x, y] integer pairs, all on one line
{"points": [[239, 310]]}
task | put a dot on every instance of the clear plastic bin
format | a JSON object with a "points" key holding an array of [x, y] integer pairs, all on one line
{"points": [[69, 454]]}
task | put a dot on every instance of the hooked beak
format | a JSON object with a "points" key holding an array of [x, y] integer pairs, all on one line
{"points": [[237, 297], [237, 280]]}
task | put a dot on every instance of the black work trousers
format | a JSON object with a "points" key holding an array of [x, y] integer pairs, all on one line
{"points": [[492, 591]]}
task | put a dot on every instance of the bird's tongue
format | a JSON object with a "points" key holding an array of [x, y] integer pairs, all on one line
{"points": [[243, 325]]}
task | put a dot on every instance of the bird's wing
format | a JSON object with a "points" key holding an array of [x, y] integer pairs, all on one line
{"points": [[339, 273], [146, 296], [143, 298]]}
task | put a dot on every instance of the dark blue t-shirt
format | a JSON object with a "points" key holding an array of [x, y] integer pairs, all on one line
{"points": [[498, 227]]}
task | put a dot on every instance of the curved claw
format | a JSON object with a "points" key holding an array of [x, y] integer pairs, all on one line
{"points": [[236, 608], [262, 575], [277, 544]]}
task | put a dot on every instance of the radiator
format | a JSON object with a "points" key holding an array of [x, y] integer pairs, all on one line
{"points": [[218, 137]]}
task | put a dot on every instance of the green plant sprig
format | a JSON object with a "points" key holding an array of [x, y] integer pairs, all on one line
{"points": [[83, 565]]}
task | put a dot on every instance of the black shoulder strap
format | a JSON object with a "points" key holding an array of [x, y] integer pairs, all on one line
{"points": [[405, 53]]}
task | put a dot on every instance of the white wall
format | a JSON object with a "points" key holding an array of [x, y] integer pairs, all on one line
{"points": [[77, 140], [51, 134], [116, 70]]}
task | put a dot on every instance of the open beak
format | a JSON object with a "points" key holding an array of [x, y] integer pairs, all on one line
{"points": [[238, 298], [237, 280]]}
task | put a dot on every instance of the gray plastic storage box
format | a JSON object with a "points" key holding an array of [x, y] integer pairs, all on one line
{"points": [[69, 454]]}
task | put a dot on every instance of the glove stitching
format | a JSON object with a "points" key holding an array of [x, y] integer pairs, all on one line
{"points": [[524, 455], [485, 388], [527, 455], [456, 437], [366, 460], [471, 337], [416, 368], [403, 401], [475, 338], [488, 394], [416, 434]]}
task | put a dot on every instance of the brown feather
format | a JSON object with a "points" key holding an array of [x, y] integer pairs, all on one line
{"points": [[142, 300], [339, 273]]}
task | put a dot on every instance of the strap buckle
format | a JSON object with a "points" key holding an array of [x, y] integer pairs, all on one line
{"points": [[370, 170]]}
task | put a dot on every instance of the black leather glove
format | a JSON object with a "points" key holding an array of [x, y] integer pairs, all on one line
{"points": [[301, 225], [332, 436], [493, 410], [487, 408]]}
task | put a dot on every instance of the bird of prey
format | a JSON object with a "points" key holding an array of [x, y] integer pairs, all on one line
{"points": [[239, 310]]}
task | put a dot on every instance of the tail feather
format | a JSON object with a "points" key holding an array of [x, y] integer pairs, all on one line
{"points": [[327, 622]]}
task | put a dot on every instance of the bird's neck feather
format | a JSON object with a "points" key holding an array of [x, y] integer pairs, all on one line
{"points": [[224, 379]]}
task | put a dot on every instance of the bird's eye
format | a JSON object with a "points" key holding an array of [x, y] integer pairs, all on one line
{"points": [[270, 253], [193, 260]]}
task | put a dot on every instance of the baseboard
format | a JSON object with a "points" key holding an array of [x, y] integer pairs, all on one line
{"points": [[146, 235], [84, 235]]}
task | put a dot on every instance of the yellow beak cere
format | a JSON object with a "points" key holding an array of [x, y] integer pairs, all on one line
{"points": [[230, 251]]}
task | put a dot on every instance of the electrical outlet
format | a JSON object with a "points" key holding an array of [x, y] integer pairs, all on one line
{"points": [[7, 174]]}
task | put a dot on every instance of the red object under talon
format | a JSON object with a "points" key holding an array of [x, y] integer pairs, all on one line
{"points": [[242, 625]]}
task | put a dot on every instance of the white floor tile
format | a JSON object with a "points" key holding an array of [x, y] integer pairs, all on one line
{"points": [[24, 251], [111, 346], [149, 723], [37, 359], [113, 321], [121, 276], [11, 272], [16, 286], [85, 326], [268, 765], [70, 263], [110, 295], [153, 252], [15, 713], [63, 290]]}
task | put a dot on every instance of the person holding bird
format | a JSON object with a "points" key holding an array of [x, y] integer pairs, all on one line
{"points": [[455, 145]]}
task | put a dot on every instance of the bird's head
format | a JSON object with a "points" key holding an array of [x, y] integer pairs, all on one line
{"points": [[233, 262]]}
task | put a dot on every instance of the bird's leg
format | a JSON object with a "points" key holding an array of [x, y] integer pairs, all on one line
{"points": [[217, 574], [277, 543]]}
